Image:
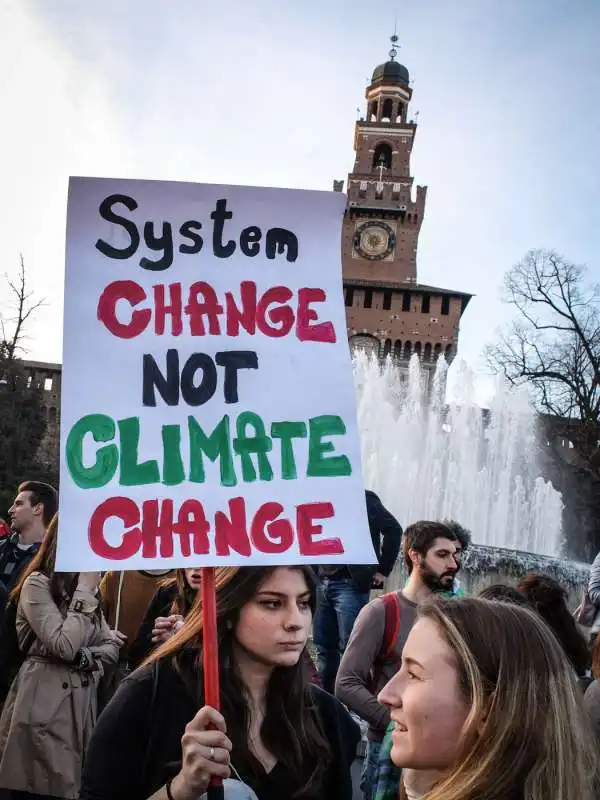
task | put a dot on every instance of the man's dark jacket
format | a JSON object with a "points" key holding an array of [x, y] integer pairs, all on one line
{"points": [[386, 535], [13, 560]]}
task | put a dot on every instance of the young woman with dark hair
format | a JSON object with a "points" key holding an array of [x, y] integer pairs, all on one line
{"points": [[50, 709], [549, 599], [281, 736], [165, 615]]}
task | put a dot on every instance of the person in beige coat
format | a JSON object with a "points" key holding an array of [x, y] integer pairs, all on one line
{"points": [[51, 707]]}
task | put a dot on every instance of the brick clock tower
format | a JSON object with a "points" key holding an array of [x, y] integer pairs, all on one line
{"points": [[388, 312]]}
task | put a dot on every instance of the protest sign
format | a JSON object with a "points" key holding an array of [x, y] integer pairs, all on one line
{"points": [[208, 410]]}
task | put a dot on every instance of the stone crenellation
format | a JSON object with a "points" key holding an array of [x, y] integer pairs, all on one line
{"points": [[47, 377]]}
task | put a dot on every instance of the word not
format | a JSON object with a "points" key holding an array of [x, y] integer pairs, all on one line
{"points": [[251, 443], [272, 313], [152, 529], [194, 395], [277, 240]]}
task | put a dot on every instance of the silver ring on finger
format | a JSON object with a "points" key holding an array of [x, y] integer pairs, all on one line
{"points": [[211, 754]]}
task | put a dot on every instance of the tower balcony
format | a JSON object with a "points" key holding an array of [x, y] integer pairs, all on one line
{"points": [[398, 128]]}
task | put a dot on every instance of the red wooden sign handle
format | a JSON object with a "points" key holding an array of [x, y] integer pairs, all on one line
{"points": [[210, 657]]}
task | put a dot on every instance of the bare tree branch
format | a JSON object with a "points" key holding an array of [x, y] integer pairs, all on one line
{"points": [[24, 306], [553, 344], [23, 418]]}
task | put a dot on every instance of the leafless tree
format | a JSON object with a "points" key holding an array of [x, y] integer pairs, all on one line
{"points": [[553, 344], [21, 307], [22, 416]]}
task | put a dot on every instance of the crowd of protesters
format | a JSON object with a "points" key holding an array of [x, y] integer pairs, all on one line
{"points": [[492, 697]]}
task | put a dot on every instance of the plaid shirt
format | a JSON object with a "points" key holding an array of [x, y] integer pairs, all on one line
{"points": [[388, 774]]}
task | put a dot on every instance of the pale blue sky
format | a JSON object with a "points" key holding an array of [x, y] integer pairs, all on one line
{"points": [[266, 92]]}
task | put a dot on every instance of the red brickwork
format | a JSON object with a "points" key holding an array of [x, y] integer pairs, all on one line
{"points": [[387, 309]]}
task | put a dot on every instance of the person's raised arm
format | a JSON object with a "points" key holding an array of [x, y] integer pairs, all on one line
{"points": [[62, 636], [353, 682], [389, 529], [109, 642], [205, 753], [143, 645]]}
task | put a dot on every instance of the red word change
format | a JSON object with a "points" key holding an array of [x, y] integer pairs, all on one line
{"points": [[154, 527], [275, 313]]}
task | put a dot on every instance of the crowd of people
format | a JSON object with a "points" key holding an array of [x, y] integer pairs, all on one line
{"points": [[489, 697]]}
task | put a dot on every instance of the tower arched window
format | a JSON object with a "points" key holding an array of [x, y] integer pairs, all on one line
{"points": [[398, 349], [417, 349], [372, 111], [407, 350], [437, 351], [387, 110], [387, 348], [427, 352], [382, 157], [400, 113], [449, 353]]}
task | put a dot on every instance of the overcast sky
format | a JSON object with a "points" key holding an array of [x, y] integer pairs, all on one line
{"points": [[266, 92]]}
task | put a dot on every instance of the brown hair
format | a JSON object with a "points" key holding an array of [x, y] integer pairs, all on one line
{"points": [[550, 601], [527, 735], [420, 537], [462, 534], [62, 584], [184, 599], [42, 493], [291, 729], [503, 593]]}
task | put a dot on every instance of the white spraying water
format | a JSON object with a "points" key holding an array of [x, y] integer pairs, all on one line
{"points": [[437, 461]]}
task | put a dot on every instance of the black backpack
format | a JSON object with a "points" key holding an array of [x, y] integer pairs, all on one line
{"points": [[11, 655]]}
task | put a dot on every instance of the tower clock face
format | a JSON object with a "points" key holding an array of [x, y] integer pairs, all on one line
{"points": [[374, 240]]}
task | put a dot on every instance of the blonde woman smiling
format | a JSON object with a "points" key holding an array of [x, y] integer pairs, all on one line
{"points": [[486, 707]]}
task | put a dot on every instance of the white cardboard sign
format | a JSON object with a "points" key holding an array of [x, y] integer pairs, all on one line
{"points": [[208, 409]]}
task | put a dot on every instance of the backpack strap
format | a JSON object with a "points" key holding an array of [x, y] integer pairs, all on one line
{"points": [[391, 605]]}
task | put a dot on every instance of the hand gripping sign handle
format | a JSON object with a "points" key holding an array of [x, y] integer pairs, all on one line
{"points": [[210, 659]]}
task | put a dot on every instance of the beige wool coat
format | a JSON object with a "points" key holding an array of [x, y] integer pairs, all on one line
{"points": [[50, 711]]}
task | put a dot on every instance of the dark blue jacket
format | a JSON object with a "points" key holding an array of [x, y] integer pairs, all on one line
{"points": [[13, 561]]}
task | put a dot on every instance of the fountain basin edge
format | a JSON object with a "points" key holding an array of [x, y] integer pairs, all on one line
{"points": [[484, 565]]}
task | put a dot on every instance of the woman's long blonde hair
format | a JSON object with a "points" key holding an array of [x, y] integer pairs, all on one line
{"points": [[527, 735]]}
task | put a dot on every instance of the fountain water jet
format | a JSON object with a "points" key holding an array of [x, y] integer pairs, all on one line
{"points": [[430, 460]]}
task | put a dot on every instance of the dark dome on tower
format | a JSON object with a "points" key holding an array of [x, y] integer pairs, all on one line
{"points": [[391, 72]]}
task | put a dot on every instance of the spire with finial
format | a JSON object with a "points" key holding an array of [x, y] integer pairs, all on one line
{"points": [[394, 40], [392, 72]]}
